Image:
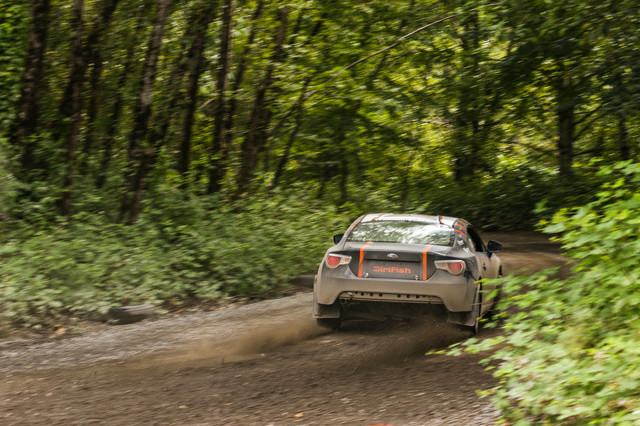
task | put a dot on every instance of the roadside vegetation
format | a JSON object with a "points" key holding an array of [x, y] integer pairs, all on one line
{"points": [[183, 254], [569, 354], [188, 250]]}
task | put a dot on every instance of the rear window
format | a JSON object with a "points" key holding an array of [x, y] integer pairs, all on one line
{"points": [[402, 232]]}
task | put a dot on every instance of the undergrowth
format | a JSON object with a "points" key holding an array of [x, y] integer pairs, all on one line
{"points": [[194, 248], [174, 254], [570, 350]]}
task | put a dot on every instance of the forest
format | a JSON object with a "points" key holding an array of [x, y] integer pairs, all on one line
{"points": [[182, 152], [115, 108]]}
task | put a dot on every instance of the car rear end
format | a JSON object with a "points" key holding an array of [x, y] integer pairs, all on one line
{"points": [[421, 267]]}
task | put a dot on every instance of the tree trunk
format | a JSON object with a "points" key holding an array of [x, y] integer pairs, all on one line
{"points": [[256, 136], [116, 109], [324, 178], [219, 147], [174, 88], [140, 157], [194, 65], [92, 111], [292, 136], [219, 154], [623, 138], [383, 61], [565, 140], [566, 124], [287, 151], [94, 58], [170, 98], [344, 178], [467, 124], [72, 107], [27, 120]]}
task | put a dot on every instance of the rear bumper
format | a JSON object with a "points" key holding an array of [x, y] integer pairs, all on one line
{"points": [[455, 292]]}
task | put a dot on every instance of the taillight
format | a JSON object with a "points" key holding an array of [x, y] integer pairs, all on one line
{"points": [[335, 260], [454, 267]]}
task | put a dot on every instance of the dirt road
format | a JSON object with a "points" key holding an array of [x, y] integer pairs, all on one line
{"points": [[264, 364]]}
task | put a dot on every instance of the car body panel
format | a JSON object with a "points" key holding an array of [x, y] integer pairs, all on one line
{"points": [[391, 272]]}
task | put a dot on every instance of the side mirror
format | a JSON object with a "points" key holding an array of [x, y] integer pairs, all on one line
{"points": [[494, 247], [337, 238]]}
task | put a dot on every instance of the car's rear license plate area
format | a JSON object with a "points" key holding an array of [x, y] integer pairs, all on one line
{"points": [[397, 270]]}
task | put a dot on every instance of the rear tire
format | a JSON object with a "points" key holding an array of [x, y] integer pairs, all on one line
{"points": [[331, 323]]}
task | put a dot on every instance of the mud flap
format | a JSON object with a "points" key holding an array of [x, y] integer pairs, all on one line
{"points": [[326, 311], [462, 318], [466, 318]]}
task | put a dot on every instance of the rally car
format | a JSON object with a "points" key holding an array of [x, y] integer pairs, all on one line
{"points": [[395, 265]]}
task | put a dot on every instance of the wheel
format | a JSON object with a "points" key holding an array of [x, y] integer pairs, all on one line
{"points": [[332, 323]]}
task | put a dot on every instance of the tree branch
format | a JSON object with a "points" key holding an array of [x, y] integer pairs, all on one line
{"points": [[366, 58], [587, 126]]}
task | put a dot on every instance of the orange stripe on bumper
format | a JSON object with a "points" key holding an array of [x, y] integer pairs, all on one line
{"points": [[362, 258], [424, 263]]}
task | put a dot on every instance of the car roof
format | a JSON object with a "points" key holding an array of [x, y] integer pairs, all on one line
{"points": [[432, 219]]}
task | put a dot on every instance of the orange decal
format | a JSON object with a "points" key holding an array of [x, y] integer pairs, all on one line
{"points": [[424, 263], [356, 222], [460, 227], [362, 258], [377, 217]]}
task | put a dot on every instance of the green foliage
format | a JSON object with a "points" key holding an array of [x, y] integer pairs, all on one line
{"points": [[570, 353], [505, 199], [183, 253], [14, 19]]}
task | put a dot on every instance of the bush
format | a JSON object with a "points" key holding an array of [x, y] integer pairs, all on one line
{"points": [[570, 354], [178, 252]]}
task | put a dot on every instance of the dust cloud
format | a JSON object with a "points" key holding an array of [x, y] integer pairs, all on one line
{"points": [[249, 345]]}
